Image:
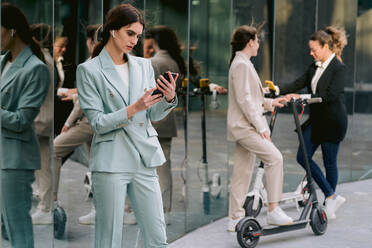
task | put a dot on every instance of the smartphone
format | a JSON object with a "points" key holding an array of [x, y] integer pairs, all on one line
{"points": [[166, 76]]}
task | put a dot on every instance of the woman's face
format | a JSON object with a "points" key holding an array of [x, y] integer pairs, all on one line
{"points": [[148, 48], [317, 51], [254, 45], [6, 38], [60, 46], [127, 36]]}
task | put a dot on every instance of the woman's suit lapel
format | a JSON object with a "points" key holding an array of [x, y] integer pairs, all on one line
{"points": [[324, 78], [135, 82], [112, 76], [17, 64], [255, 75]]}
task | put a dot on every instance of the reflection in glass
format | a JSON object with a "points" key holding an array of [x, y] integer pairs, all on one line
{"points": [[165, 43], [362, 116], [76, 29], [25, 80], [207, 172]]}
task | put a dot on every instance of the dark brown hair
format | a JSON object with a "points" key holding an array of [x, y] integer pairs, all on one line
{"points": [[241, 36], [13, 18], [167, 40], [334, 37], [120, 16]]}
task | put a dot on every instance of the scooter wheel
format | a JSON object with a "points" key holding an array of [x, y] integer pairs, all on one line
{"points": [[248, 233], [248, 206], [318, 220], [60, 219]]}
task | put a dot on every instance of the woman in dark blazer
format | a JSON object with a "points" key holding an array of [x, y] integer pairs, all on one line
{"points": [[24, 86], [327, 123]]}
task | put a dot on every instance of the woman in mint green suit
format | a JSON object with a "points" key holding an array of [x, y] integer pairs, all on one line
{"points": [[24, 85], [115, 92]]}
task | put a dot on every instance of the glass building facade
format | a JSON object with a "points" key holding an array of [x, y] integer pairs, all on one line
{"points": [[201, 157]]}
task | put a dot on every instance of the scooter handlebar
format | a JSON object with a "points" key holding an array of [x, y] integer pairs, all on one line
{"points": [[314, 100]]}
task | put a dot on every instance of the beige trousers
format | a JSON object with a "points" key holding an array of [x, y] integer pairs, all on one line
{"points": [[63, 145], [44, 175], [66, 142], [165, 175], [244, 160]]}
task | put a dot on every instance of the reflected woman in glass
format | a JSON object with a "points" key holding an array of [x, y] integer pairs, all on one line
{"points": [[115, 93], [167, 57], [24, 86], [327, 123], [248, 128]]}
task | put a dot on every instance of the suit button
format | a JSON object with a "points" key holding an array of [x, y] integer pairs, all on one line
{"points": [[141, 124]]}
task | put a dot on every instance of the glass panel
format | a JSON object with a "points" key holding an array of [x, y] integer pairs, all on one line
{"points": [[26, 135], [207, 171], [294, 23], [75, 27], [362, 119], [343, 13], [166, 43]]}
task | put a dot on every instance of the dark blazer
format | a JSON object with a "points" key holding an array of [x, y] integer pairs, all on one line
{"points": [[329, 118]]}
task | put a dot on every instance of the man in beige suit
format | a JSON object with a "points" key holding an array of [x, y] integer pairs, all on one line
{"points": [[248, 128]]}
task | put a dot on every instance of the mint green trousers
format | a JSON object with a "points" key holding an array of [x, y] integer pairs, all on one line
{"points": [[109, 192]]}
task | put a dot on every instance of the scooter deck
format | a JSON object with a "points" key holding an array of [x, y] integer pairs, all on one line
{"points": [[270, 229]]}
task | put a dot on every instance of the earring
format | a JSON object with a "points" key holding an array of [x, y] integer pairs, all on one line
{"points": [[113, 34], [12, 33]]}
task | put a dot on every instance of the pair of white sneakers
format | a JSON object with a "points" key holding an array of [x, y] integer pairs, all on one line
{"points": [[275, 217]]}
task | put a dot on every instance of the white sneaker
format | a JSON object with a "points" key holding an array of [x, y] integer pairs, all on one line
{"points": [[129, 218], [277, 217], [331, 205], [231, 226], [42, 218], [89, 219], [331, 217]]}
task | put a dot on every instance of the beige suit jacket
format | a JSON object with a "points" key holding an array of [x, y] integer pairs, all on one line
{"points": [[44, 120], [246, 100]]}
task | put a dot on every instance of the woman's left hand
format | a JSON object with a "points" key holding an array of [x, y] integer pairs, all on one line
{"points": [[167, 88], [279, 102]]}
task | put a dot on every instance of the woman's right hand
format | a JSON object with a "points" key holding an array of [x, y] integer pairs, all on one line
{"points": [[145, 102], [266, 135]]}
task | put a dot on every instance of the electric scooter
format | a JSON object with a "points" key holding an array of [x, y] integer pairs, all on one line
{"points": [[249, 230], [257, 198]]}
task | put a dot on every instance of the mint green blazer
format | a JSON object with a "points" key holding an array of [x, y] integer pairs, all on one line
{"points": [[23, 89], [120, 144]]}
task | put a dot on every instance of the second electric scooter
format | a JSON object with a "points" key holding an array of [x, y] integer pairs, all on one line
{"points": [[249, 230]]}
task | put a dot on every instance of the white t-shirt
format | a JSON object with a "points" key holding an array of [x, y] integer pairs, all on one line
{"points": [[6, 68], [123, 71]]}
